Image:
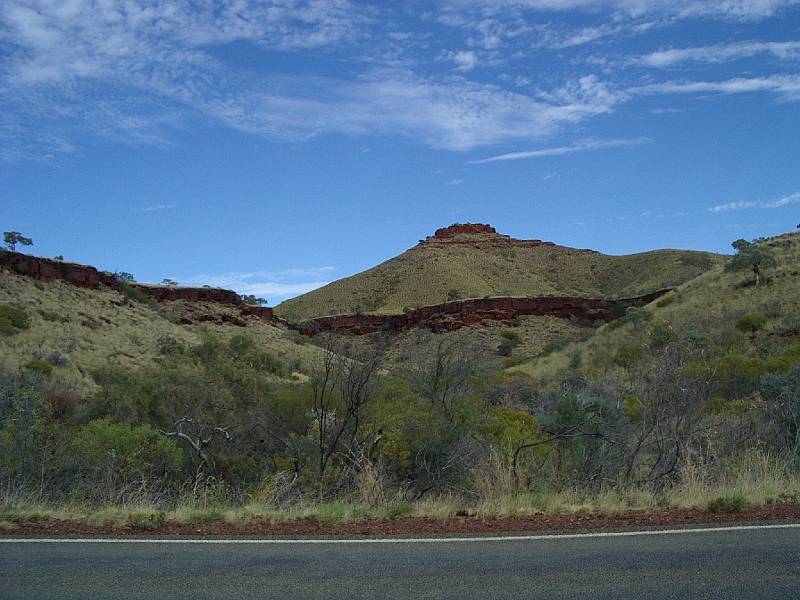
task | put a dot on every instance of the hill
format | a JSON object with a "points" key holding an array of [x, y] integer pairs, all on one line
{"points": [[77, 329], [734, 320], [474, 261]]}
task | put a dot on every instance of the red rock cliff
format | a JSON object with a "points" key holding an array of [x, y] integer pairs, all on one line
{"points": [[85, 276], [458, 228], [455, 315]]}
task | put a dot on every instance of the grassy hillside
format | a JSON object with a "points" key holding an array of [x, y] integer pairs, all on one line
{"points": [[78, 329], [722, 309], [479, 265]]}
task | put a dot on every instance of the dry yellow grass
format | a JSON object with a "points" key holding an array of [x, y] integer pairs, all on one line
{"points": [[423, 276], [708, 305], [94, 327]]}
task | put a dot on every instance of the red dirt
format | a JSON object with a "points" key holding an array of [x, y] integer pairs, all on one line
{"points": [[634, 519]]}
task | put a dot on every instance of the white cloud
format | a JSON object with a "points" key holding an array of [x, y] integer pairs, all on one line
{"points": [[465, 60], [274, 285], [778, 203], [455, 182], [786, 87], [719, 54], [457, 114], [725, 9], [562, 150], [159, 207]]}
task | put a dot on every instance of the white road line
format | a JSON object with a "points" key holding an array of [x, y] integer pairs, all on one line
{"points": [[431, 540]]}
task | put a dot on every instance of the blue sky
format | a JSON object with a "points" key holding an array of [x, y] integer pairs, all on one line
{"points": [[274, 146]]}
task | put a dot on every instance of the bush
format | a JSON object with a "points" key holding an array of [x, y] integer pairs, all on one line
{"points": [[36, 364], [555, 345], [727, 504], [751, 323], [666, 300], [508, 343], [12, 320], [106, 452], [628, 354], [52, 317]]}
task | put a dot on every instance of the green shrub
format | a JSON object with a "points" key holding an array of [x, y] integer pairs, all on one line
{"points": [[727, 504], [628, 354], [130, 452], [146, 521], [661, 335], [555, 345], [36, 364], [12, 320], [52, 317], [666, 300], [508, 343], [751, 323]]}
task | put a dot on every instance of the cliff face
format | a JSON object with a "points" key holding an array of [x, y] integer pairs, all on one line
{"points": [[85, 276], [479, 235], [438, 318], [45, 269], [455, 315]]}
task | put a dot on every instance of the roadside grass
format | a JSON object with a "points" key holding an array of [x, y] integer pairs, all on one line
{"points": [[754, 481]]}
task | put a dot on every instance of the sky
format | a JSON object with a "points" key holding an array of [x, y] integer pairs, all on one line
{"points": [[271, 147]]}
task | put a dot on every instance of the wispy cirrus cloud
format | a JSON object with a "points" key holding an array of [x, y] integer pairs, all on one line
{"points": [[144, 71], [722, 9], [159, 207], [718, 53], [786, 87], [777, 203], [583, 146]]}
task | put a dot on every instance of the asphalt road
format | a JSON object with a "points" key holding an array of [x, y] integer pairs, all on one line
{"points": [[757, 563]]}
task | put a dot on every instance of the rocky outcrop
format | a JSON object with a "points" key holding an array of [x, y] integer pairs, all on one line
{"points": [[479, 235], [85, 276], [455, 315], [438, 318], [460, 228], [190, 294], [45, 269]]}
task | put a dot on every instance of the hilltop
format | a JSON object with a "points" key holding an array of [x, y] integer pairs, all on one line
{"points": [[474, 261]]}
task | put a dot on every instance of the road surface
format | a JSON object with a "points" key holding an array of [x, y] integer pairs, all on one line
{"points": [[727, 564]]}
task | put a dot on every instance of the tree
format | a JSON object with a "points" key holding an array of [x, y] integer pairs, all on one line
{"points": [[252, 300], [439, 368], [169, 282], [753, 256], [342, 385], [453, 294], [124, 277], [12, 238]]}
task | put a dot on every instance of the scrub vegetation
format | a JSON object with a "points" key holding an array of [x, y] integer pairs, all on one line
{"points": [[691, 401]]}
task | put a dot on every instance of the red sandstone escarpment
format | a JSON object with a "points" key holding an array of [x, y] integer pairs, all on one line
{"points": [[85, 276], [461, 313], [478, 235], [459, 228]]}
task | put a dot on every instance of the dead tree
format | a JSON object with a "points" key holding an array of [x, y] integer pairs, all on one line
{"points": [[199, 440], [342, 385]]}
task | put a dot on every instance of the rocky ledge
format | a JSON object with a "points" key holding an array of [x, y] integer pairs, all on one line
{"points": [[451, 316], [478, 235], [85, 276]]}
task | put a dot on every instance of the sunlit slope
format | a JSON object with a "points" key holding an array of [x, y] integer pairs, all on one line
{"points": [[723, 310], [90, 328], [476, 266]]}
